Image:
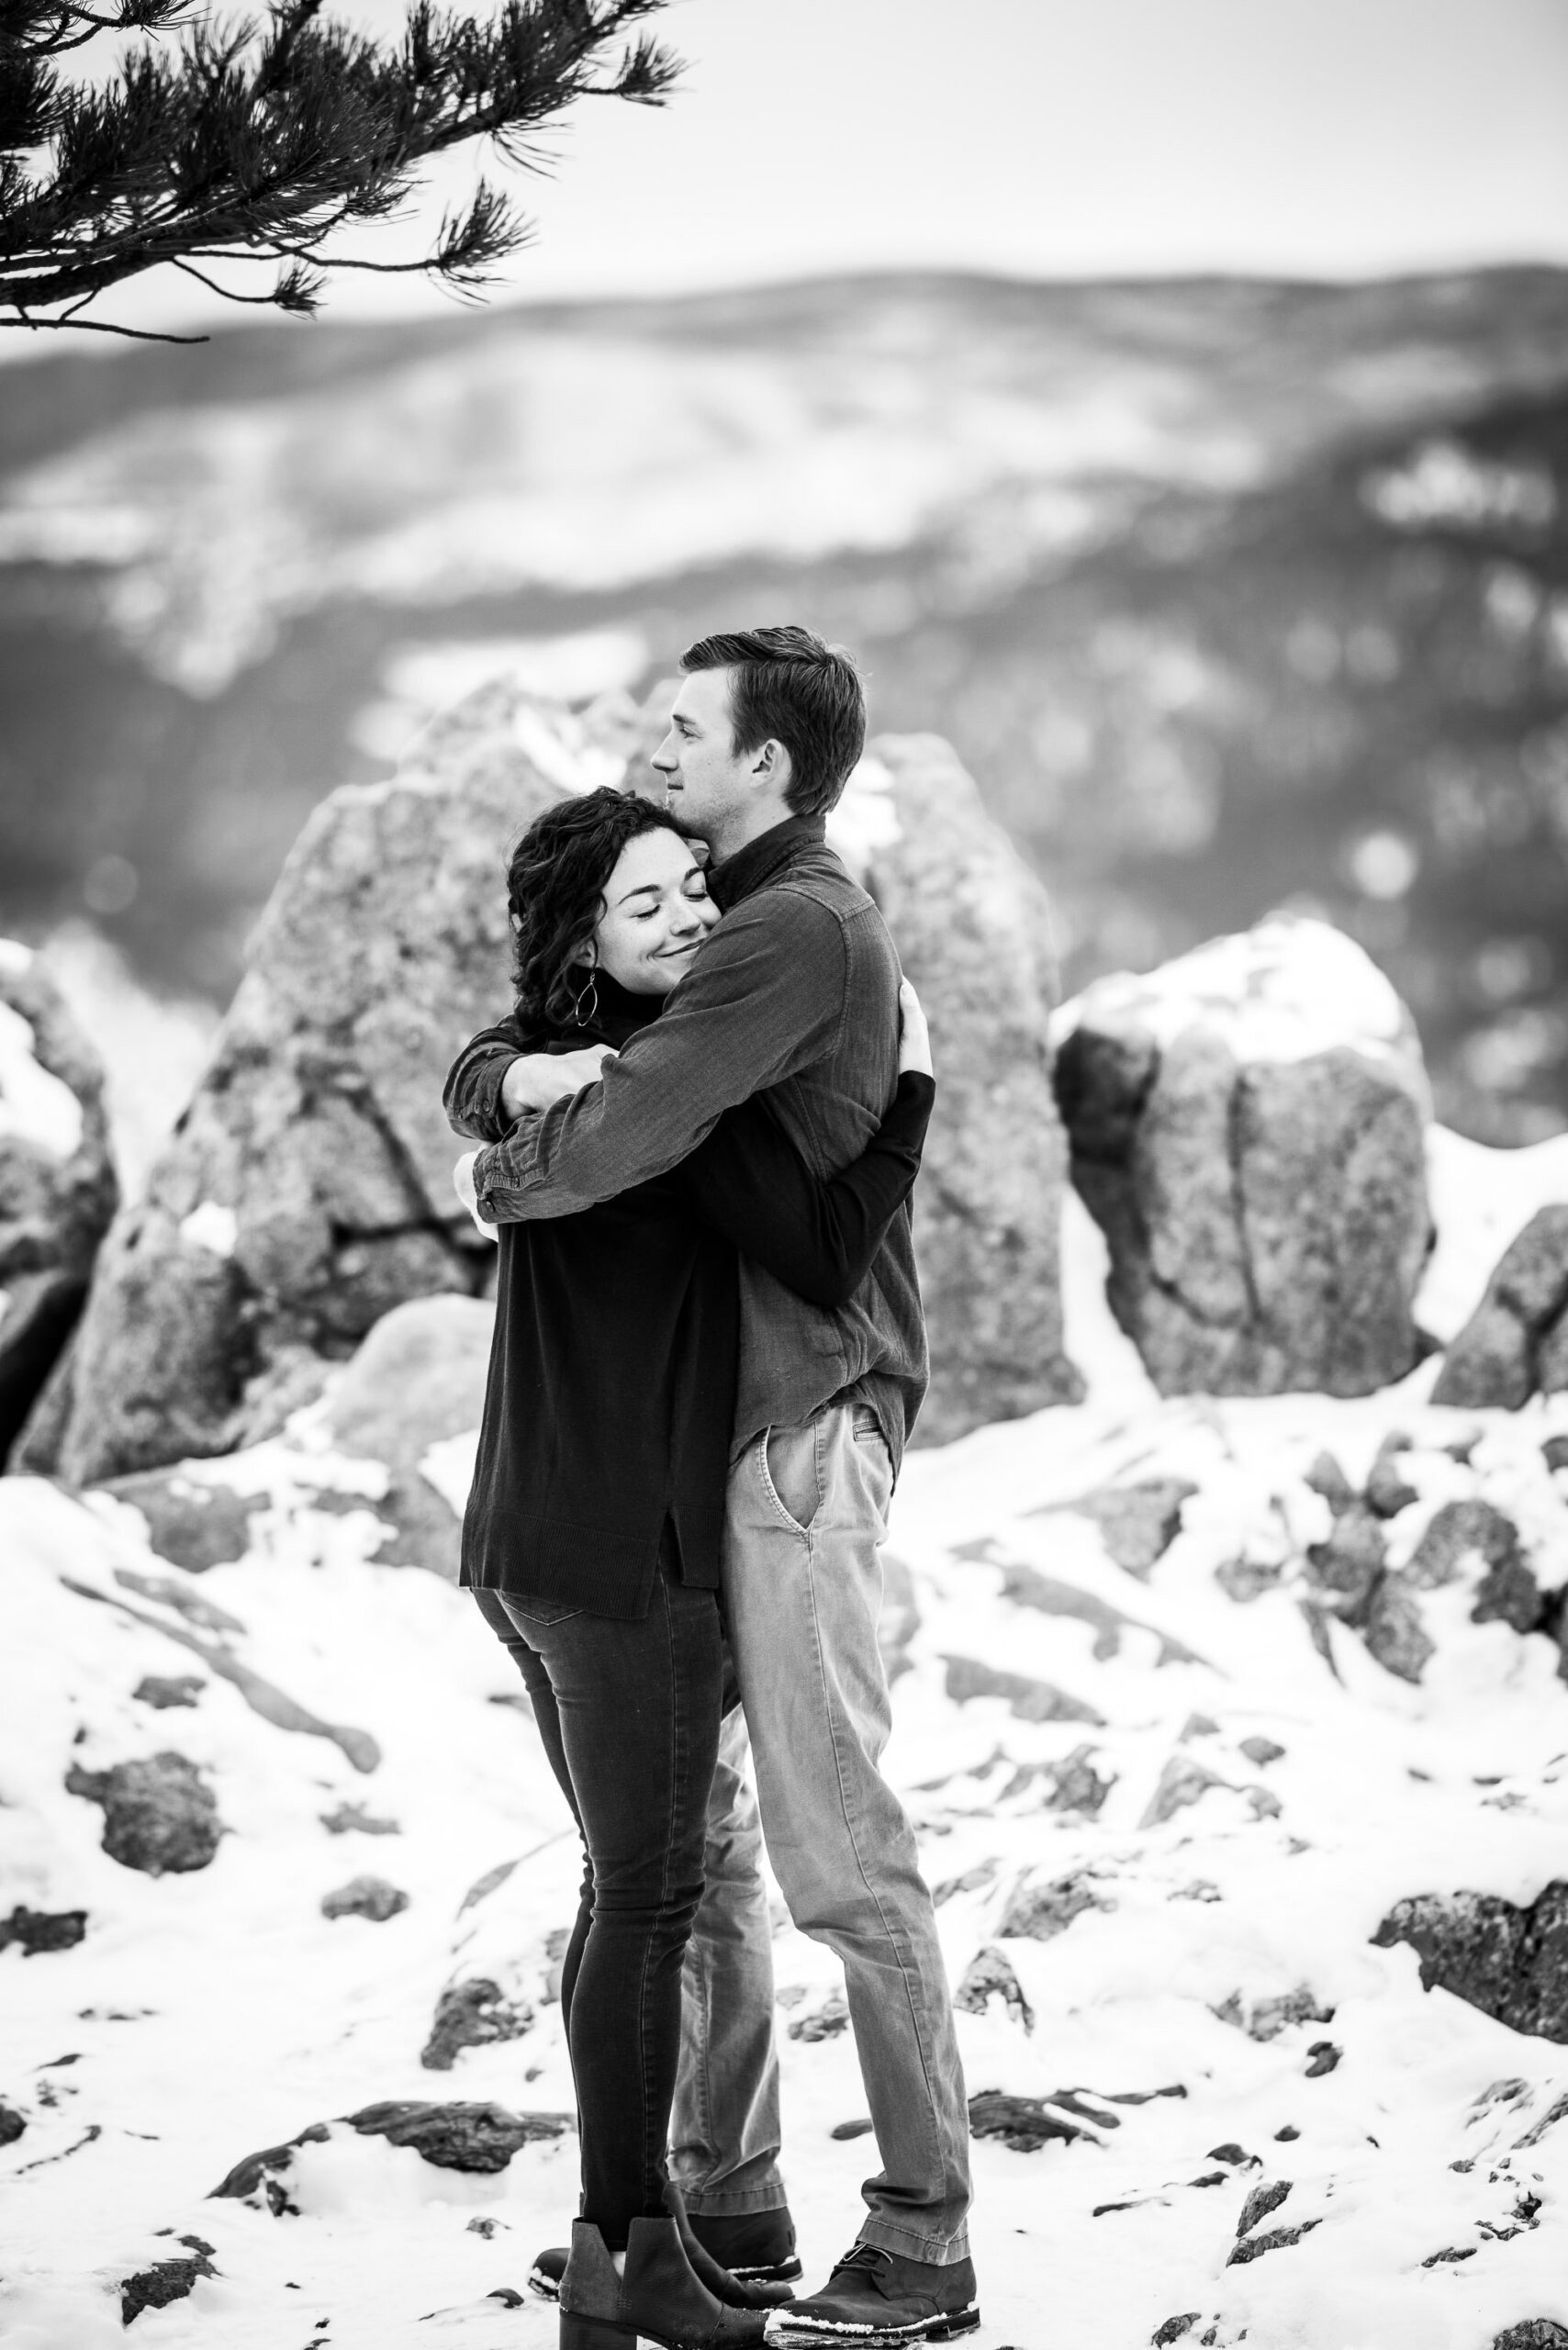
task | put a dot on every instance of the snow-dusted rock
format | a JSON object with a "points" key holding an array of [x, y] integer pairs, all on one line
{"points": [[308, 1190], [1515, 1343], [970, 920], [1247, 1126], [159, 1815], [365, 1897], [1510, 1960], [57, 1179]]}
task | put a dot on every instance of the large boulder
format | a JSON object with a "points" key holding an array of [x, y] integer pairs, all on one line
{"points": [[56, 1181], [307, 1191], [1247, 1126], [307, 1187], [971, 922], [1509, 1961], [1516, 1342]]}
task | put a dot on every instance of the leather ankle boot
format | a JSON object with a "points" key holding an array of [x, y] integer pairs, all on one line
{"points": [[659, 2297]]}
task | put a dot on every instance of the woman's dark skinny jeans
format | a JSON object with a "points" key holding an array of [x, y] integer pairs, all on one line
{"points": [[629, 1714]]}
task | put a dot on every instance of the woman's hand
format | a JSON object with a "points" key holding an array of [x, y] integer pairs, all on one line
{"points": [[463, 1184], [914, 1036], [535, 1080]]}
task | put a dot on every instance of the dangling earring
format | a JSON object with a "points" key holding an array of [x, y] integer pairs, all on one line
{"points": [[588, 995]]}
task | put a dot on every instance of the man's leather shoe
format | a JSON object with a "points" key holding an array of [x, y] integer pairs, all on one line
{"points": [[875, 2296]]}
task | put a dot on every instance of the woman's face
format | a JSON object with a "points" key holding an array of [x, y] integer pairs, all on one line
{"points": [[656, 914]]}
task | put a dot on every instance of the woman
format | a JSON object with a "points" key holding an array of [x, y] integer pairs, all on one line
{"points": [[592, 1533]]}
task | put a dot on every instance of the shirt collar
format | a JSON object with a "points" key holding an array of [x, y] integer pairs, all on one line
{"points": [[762, 860]]}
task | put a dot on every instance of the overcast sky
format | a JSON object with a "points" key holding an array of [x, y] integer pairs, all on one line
{"points": [[1048, 138]]}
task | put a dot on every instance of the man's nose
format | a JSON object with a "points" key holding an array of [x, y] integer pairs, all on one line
{"points": [[663, 758]]}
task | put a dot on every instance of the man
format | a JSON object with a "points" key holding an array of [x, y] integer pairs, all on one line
{"points": [[795, 993]]}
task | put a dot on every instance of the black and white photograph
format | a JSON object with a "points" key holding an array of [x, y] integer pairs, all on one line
{"points": [[784, 1174]]}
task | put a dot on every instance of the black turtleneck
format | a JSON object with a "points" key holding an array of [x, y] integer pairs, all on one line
{"points": [[611, 1402]]}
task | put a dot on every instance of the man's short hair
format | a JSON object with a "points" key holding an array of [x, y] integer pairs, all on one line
{"points": [[786, 684]]}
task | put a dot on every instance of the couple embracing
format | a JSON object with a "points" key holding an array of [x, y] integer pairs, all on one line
{"points": [[700, 1128]]}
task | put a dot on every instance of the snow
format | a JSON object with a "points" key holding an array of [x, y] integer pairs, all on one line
{"points": [[209, 2015], [1284, 990], [154, 1047], [211, 1227], [36, 1106]]}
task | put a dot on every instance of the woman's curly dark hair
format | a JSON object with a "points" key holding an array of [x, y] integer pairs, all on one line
{"points": [[555, 886]]}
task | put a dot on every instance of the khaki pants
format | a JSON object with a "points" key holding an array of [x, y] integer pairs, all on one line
{"points": [[807, 1515]]}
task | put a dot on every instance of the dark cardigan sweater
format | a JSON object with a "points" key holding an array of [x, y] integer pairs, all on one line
{"points": [[610, 1399]]}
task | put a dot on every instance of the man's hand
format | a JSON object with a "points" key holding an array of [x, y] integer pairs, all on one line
{"points": [[535, 1080], [914, 1036], [463, 1184]]}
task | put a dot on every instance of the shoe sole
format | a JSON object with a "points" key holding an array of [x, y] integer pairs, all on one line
{"points": [[785, 2328], [547, 2289]]}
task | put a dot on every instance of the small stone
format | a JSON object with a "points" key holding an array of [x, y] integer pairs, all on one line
{"points": [[159, 1817], [43, 1930], [192, 1524], [351, 1817], [1327, 1479], [364, 1896], [1460, 1530], [1346, 1568], [1322, 2057], [1266, 2197], [471, 2015], [1198, 1726], [166, 2282], [1076, 1785], [1173, 2329], [1253, 2247], [1025, 2123], [1288, 2135], [860, 2128], [165, 1691], [1394, 1633], [1555, 1453], [484, 2226], [1040, 1912], [12, 2125], [1245, 1580], [1027, 1699], [1230, 2153], [1182, 1782], [1435, 2259], [990, 1974], [825, 2022], [1387, 1492], [1266, 2018], [478, 2138], [1510, 1594], [1138, 1523], [1262, 1750]]}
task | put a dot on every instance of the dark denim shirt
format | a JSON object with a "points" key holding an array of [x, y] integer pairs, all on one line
{"points": [[795, 991]]}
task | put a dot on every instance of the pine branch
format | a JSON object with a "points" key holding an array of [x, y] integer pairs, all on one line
{"points": [[260, 142]]}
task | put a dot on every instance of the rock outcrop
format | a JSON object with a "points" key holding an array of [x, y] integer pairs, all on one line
{"points": [[56, 1181], [307, 1191], [1246, 1127], [971, 922], [1515, 1343], [1509, 1961], [307, 1187]]}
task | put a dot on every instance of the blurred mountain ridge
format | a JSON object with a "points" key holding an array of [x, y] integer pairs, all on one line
{"points": [[1230, 594]]}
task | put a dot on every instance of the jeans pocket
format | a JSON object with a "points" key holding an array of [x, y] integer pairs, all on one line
{"points": [[787, 1465], [536, 1609]]}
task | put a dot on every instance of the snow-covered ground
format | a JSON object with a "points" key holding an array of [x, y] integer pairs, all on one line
{"points": [[207, 2015]]}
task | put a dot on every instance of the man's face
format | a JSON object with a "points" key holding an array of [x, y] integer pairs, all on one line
{"points": [[707, 783]]}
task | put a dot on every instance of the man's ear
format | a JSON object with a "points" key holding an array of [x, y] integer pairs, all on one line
{"points": [[771, 767]]}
